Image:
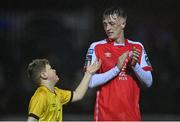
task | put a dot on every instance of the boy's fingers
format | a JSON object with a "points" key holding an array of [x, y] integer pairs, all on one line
{"points": [[88, 63]]}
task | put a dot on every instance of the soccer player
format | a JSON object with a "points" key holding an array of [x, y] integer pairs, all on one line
{"points": [[118, 91], [47, 101]]}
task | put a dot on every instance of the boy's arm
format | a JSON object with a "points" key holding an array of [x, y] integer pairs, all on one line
{"points": [[80, 91], [82, 88]]}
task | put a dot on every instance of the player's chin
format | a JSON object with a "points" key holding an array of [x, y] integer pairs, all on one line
{"points": [[111, 37]]}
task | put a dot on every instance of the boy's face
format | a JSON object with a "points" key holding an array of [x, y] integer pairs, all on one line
{"points": [[113, 26], [51, 74]]}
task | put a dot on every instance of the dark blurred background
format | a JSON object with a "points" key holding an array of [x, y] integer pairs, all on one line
{"points": [[62, 30]]}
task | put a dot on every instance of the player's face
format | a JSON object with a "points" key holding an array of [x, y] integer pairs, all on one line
{"points": [[51, 73], [113, 26]]}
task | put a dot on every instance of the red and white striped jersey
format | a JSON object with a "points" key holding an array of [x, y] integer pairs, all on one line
{"points": [[117, 99]]}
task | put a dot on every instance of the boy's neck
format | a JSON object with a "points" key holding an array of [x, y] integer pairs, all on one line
{"points": [[48, 84]]}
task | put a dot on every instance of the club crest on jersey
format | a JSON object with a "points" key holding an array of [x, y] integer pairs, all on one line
{"points": [[108, 54]]}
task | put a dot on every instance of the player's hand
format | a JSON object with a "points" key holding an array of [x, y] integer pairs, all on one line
{"points": [[134, 56], [122, 59], [94, 67]]}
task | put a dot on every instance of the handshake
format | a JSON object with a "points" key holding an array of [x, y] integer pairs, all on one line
{"points": [[132, 56]]}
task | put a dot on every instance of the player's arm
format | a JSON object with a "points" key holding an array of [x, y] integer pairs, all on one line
{"points": [[144, 76], [30, 119], [100, 79], [83, 86]]}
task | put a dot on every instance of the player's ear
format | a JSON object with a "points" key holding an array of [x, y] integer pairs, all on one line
{"points": [[123, 23], [43, 75]]}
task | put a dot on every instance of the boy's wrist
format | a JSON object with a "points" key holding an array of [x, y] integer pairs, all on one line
{"points": [[88, 72]]}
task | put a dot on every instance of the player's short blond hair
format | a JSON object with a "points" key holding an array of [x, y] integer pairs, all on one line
{"points": [[116, 10]]}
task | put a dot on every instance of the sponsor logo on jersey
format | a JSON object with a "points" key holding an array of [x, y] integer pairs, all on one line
{"points": [[108, 54], [122, 76]]}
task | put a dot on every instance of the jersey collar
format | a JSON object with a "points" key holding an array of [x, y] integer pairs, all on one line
{"points": [[111, 41]]}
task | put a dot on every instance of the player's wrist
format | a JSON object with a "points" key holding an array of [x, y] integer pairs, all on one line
{"points": [[136, 67], [116, 69]]}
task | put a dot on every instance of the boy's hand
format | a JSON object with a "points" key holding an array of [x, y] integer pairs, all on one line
{"points": [[94, 67]]}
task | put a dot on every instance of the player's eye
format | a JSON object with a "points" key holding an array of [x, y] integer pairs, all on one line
{"points": [[111, 23]]}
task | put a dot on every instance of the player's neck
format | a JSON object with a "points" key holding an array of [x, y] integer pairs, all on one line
{"points": [[48, 85], [121, 39]]}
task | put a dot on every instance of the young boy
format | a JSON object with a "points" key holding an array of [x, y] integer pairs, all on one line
{"points": [[47, 101]]}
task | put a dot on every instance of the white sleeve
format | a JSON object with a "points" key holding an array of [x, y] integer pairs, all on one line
{"points": [[145, 77], [91, 55], [99, 79]]}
